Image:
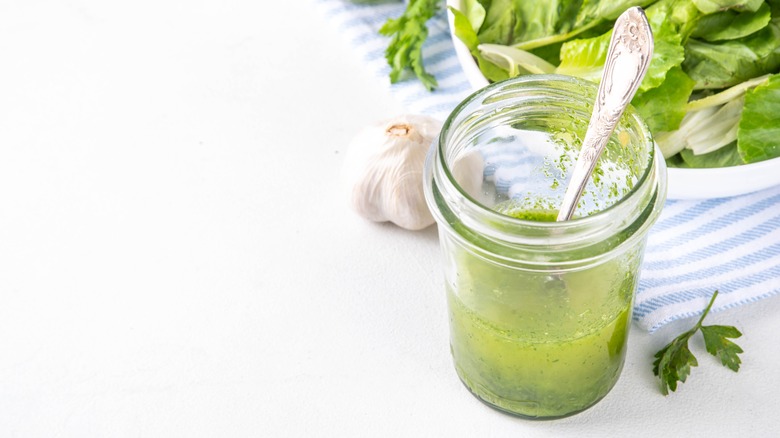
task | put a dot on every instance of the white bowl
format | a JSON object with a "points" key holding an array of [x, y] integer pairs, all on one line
{"points": [[683, 183]]}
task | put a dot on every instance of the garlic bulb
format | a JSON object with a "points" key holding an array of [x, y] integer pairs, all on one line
{"points": [[383, 170]]}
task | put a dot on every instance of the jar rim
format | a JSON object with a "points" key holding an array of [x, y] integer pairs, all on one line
{"points": [[541, 78], [630, 210]]}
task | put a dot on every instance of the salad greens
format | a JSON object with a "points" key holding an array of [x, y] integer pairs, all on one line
{"points": [[757, 136], [713, 86]]}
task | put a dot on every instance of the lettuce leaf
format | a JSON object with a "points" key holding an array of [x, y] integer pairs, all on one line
{"points": [[588, 12], [585, 57], [533, 22], [758, 136], [663, 107], [499, 23], [721, 129], [475, 13], [676, 161], [492, 72], [591, 10], [569, 11], [723, 157], [730, 25], [610, 10], [711, 6], [723, 64], [465, 30], [515, 61]]}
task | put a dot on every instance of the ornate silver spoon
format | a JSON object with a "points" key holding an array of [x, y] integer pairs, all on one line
{"points": [[628, 57]]}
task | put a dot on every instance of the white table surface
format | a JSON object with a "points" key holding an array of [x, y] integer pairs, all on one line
{"points": [[176, 259]]}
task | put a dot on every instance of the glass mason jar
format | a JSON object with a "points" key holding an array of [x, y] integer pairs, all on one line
{"points": [[540, 310]]}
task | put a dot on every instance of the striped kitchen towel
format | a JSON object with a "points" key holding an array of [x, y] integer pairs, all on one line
{"points": [[728, 244]]}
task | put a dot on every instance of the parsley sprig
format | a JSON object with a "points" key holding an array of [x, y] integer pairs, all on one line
{"points": [[673, 362], [409, 32]]}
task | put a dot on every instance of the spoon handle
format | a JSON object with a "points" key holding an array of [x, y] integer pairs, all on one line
{"points": [[628, 57]]}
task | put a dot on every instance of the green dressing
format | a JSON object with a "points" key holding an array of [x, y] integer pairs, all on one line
{"points": [[540, 345]]}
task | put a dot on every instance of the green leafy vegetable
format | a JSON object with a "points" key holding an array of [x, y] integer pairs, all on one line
{"points": [[589, 11], [492, 72], [532, 21], [464, 30], [710, 123], [515, 61], [723, 157], [552, 43], [681, 15], [499, 23], [708, 55], [710, 6], [717, 343], [585, 57], [677, 162], [759, 130], [727, 63], [673, 363], [467, 33], [720, 131], [729, 25], [703, 131], [663, 107], [475, 13], [408, 33], [612, 10], [726, 95]]}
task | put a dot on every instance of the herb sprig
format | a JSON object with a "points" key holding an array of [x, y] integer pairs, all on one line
{"points": [[673, 362], [409, 32]]}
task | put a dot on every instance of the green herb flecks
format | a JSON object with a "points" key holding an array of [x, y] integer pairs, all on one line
{"points": [[673, 362]]}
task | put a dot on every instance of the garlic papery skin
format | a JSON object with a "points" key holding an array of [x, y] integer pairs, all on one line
{"points": [[383, 170]]}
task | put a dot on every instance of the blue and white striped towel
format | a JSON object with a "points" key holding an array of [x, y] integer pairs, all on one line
{"points": [[729, 244]]}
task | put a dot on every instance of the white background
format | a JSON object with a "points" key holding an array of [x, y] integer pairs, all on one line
{"points": [[176, 258]]}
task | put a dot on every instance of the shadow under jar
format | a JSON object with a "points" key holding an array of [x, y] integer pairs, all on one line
{"points": [[540, 310]]}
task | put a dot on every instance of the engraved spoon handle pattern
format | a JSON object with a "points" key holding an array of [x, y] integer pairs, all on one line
{"points": [[628, 58]]}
